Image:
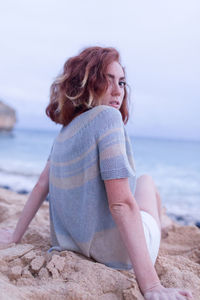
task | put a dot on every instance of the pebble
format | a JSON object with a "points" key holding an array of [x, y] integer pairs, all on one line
{"points": [[183, 219], [28, 257], [37, 263], [15, 272], [197, 224], [26, 273], [23, 192], [3, 266], [56, 265], [43, 273]]}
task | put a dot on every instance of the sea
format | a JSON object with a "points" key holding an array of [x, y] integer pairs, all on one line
{"points": [[173, 164]]}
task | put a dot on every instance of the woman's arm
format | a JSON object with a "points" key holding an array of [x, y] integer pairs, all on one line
{"points": [[35, 199], [126, 214]]}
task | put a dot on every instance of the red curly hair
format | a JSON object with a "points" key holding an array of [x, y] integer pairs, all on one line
{"points": [[81, 84]]}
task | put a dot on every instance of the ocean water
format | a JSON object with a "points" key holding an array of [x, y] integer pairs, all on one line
{"points": [[174, 166]]}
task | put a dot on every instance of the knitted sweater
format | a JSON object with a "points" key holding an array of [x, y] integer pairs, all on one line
{"points": [[92, 148]]}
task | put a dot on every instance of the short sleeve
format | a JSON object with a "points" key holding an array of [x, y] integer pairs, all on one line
{"points": [[113, 160]]}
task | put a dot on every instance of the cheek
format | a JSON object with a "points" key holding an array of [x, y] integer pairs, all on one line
{"points": [[107, 94]]}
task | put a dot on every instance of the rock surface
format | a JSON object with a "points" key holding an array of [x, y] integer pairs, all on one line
{"points": [[28, 271], [7, 117]]}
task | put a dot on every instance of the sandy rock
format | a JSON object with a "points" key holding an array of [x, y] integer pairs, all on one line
{"points": [[7, 117], [54, 272], [9, 291], [15, 272], [15, 262], [28, 257], [132, 294], [3, 266], [16, 251], [56, 265], [75, 291], [68, 275], [6, 246], [58, 262], [95, 278], [37, 263], [4, 212], [43, 274], [108, 296], [26, 273]]}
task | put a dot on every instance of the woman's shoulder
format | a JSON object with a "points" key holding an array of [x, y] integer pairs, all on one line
{"points": [[108, 119], [107, 109], [97, 119], [107, 113]]}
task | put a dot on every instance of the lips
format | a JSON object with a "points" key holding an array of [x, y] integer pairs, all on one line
{"points": [[114, 103]]}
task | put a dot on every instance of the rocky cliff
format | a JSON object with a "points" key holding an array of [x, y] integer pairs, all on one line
{"points": [[7, 117]]}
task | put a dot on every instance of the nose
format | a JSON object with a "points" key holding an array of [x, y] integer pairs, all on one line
{"points": [[116, 91]]}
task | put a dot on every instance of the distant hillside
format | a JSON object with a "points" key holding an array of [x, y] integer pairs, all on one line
{"points": [[7, 117]]}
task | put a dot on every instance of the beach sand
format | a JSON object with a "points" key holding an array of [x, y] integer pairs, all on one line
{"points": [[27, 271]]}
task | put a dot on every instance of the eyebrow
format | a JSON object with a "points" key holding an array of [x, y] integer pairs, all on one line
{"points": [[113, 77]]}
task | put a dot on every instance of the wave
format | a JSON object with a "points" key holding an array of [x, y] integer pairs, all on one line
{"points": [[18, 172], [18, 177]]}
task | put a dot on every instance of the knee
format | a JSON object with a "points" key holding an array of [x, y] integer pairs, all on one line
{"points": [[146, 178], [147, 181]]}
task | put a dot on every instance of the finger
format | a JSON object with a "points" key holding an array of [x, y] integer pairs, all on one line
{"points": [[186, 293]]}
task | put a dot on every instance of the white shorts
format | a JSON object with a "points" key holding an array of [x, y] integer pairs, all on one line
{"points": [[152, 234]]}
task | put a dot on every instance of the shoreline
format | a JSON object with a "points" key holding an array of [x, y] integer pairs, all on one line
{"points": [[29, 272], [181, 220]]}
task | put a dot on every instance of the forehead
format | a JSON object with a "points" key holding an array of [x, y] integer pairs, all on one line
{"points": [[115, 68]]}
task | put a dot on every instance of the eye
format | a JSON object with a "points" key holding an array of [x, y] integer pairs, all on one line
{"points": [[122, 83]]}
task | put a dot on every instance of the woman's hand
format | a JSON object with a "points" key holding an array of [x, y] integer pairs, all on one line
{"points": [[6, 236], [161, 293]]}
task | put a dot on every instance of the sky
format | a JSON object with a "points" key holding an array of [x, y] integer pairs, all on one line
{"points": [[159, 43]]}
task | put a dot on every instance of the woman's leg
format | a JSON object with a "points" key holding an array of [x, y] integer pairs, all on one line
{"points": [[148, 198]]}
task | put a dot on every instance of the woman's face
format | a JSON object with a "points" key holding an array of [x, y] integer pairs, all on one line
{"points": [[114, 94]]}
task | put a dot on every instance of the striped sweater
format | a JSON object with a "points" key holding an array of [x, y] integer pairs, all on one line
{"points": [[92, 148]]}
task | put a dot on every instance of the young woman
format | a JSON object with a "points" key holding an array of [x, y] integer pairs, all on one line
{"points": [[97, 206]]}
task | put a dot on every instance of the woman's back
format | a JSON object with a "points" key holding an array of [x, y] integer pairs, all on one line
{"points": [[94, 146]]}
